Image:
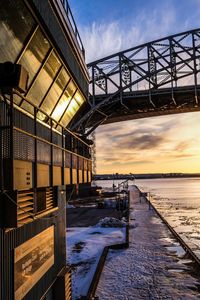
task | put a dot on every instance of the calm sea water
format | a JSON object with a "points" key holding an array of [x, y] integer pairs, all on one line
{"points": [[178, 200]]}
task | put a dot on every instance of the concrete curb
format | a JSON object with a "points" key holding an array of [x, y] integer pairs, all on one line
{"points": [[95, 280]]}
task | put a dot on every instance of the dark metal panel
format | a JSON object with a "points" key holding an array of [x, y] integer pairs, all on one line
{"points": [[13, 238], [43, 132], [23, 121]]}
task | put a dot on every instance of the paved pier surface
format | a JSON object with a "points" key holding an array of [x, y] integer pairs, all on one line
{"points": [[89, 216], [154, 266]]}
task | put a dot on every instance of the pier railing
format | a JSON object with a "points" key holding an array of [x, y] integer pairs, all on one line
{"points": [[73, 25]]}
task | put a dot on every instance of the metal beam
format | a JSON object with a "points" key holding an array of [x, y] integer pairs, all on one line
{"points": [[167, 62]]}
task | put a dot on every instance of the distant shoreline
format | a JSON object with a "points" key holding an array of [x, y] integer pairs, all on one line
{"points": [[144, 176]]}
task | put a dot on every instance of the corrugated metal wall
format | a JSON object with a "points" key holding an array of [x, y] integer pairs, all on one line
{"points": [[13, 238]]}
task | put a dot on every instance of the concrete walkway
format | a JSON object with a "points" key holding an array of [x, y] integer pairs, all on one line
{"points": [[154, 266]]}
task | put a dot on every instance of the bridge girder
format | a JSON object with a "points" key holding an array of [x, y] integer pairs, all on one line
{"points": [[146, 74]]}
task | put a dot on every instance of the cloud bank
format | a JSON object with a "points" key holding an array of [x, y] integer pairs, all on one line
{"points": [[102, 39], [161, 144]]}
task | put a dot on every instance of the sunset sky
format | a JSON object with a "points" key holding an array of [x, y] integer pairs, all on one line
{"points": [[160, 144]]}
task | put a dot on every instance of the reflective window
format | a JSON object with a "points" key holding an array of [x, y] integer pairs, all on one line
{"points": [[35, 54], [70, 112], [65, 119], [71, 88], [44, 79], [61, 107], [64, 101], [28, 107], [17, 99], [72, 109], [55, 92], [32, 60], [15, 25], [79, 98]]}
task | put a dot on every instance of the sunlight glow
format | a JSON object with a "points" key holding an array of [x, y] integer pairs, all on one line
{"points": [[60, 108]]}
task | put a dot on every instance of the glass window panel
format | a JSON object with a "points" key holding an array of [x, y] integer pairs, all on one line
{"points": [[70, 112], [64, 101], [59, 128], [15, 25], [54, 94], [17, 99], [65, 119], [71, 88], [44, 79], [28, 107], [60, 108], [79, 98], [41, 116], [35, 54], [63, 79], [73, 107]]}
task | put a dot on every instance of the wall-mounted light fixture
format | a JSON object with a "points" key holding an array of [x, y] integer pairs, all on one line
{"points": [[13, 76]]}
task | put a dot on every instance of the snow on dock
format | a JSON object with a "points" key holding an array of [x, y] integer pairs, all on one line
{"points": [[84, 248], [155, 265]]}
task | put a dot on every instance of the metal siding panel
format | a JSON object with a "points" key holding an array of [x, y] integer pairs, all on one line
{"points": [[13, 238]]}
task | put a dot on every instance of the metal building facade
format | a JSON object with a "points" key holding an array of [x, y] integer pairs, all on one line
{"points": [[39, 157]]}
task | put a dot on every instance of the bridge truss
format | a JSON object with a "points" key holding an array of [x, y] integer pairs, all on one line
{"points": [[156, 78]]}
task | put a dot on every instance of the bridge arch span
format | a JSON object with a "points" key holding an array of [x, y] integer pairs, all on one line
{"points": [[157, 78]]}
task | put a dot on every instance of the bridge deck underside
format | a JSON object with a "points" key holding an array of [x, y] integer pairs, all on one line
{"points": [[138, 104]]}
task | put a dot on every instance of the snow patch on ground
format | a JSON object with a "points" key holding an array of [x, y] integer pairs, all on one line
{"points": [[84, 248], [111, 222], [70, 206]]}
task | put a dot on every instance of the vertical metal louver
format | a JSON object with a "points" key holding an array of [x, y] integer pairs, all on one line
{"points": [[50, 201], [25, 210]]}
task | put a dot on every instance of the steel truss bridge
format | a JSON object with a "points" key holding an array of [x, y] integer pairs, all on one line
{"points": [[156, 78]]}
